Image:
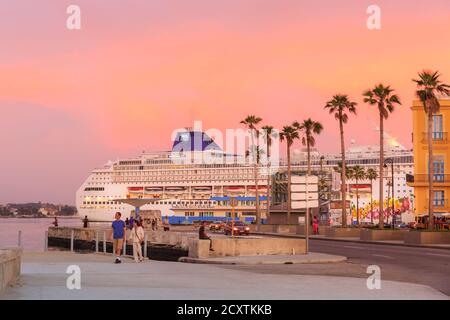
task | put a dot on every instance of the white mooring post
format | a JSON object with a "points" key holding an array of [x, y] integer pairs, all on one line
{"points": [[96, 241], [46, 241], [72, 234], [104, 241], [145, 245], [19, 239]]}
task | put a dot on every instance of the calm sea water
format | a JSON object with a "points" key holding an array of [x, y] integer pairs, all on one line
{"points": [[33, 231]]}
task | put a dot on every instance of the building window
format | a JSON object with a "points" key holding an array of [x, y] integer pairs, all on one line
{"points": [[438, 169], [437, 127], [439, 200]]}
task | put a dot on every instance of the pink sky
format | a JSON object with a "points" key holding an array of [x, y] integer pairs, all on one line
{"points": [[71, 100]]}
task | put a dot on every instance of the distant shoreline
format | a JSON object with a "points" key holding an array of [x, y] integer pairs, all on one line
{"points": [[32, 217]]}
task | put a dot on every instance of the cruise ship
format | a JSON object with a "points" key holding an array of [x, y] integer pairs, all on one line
{"points": [[175, 187], [187, 190]]}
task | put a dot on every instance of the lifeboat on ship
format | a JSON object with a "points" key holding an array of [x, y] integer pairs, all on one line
{"points": [[202, 189]]}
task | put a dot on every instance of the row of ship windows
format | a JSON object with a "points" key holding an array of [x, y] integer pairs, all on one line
{"points": [[220, 203], [201, 214], [101, 202], [160, 181], [399, 162], [175, 173], [191, 171]]}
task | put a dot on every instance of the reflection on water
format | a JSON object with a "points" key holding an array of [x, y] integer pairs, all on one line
{"points": [[33, 231]]}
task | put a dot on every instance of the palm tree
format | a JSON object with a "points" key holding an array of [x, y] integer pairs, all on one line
{"points": [[384, 98], [289, 133], [371, 175], [429, 86], [339, 106], [309, 128], [250, 122], [269, 134], [358, 174]]}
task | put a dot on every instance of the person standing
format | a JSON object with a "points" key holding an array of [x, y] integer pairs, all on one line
{"points": [[55, 222], [315, 226], [127, 223], [119, 230], [85, 222], [137, 238], [131, 222]]}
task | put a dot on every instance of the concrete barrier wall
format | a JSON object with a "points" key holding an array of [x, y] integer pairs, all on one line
{"points": [[10, 259], [179, 239], [87, 234], [342, 232], [245, 247], [377, 235], [277, 228], [427, 237]]}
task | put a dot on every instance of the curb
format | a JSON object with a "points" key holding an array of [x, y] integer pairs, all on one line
{"points": [[354, 241], [336, 259]]}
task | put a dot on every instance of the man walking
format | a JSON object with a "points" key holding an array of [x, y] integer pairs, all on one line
{"points": [[119, 229]]}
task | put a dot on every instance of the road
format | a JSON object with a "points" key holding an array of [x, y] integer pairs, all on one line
{"points": [[407, 264]]}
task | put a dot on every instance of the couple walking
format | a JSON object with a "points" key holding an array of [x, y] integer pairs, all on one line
{"points": [[136, 236]]}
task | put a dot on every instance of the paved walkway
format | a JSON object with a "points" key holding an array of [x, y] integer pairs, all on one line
{"points": [[310, 258], [44, 277]]}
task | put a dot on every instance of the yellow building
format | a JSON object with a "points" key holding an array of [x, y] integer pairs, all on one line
{"points": [[441, 155]]}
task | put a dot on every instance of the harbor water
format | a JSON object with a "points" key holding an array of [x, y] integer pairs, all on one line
{"points": [[32, 229]]}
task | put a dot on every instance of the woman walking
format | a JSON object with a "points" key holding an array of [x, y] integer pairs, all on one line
{"points": [[137, 237]]}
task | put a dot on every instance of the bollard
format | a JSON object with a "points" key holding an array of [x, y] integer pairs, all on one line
{"points": [[145, 246], [104, 242], [19, 240], [46, 241], [72, 234], [96, 241]]}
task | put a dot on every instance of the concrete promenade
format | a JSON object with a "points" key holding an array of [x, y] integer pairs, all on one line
{"points": [[310, 258], [44, 277]]}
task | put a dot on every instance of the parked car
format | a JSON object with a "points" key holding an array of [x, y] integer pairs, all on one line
{"points": [[216, 226], [402, 225], [239, 228]]}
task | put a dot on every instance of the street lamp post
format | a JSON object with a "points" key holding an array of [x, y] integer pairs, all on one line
{"points": [[391, 162]]}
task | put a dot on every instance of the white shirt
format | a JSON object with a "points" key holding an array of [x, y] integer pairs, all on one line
{"points": [[137, 234]]}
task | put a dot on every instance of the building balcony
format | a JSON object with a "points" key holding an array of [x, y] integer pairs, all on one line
{"points": [[438, 137], [438, 203], [421, 180]]}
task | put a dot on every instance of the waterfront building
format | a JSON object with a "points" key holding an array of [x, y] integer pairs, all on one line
{"points": [[441, 158]]}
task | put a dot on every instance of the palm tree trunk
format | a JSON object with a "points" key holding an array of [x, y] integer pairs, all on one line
{"points": [[258, 216], [371, 201], [289, 184], [430, 172], [381, 213], [255, 172], [343, 186], [357, 203], [309, 155], [307, 213], [268, 181]]}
